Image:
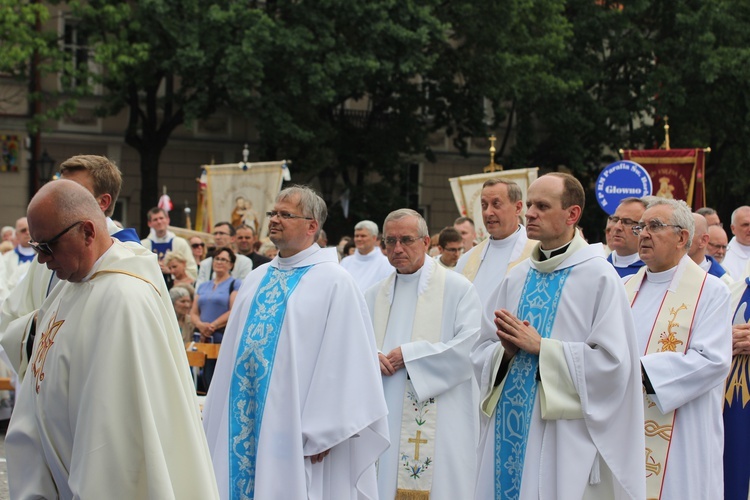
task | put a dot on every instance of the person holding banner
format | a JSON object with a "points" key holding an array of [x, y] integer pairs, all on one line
{"points": [[682, 320], [557, 364]]}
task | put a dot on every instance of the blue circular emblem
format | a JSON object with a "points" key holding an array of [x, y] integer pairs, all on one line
{"points": [[621, 179]]}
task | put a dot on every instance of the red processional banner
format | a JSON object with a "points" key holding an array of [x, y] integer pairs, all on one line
{"points": [[675, 173]]}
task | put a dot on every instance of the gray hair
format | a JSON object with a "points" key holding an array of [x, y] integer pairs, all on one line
{"points": [[311, 204], [738, 210], [514, 190], [8, 229], [367, 225], [177, 292], [681, 216], [706, 211], [633, 199], [399, 214]]}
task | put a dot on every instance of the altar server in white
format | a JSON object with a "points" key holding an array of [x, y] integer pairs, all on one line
{"points": [[683, 321], [296, 407], [486, 264], [108, 407], [426, 319], [103, 180], [368, 265], [562, 413]]}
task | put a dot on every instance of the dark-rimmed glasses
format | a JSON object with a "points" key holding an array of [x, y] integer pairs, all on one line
{"points": [[652, 227], [44, 246], [625, 221], [406, 241], [286, 215]]}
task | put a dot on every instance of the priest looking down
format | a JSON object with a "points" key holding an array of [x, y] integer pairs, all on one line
{"points": [[99, 412], [426, 319], [101, 177], [367, 265], [561, 410], [486, 264], [682, 319], [296, 407], [622, 241]]}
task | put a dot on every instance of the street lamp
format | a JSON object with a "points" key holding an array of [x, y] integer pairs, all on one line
{"points": [[45, 166]]}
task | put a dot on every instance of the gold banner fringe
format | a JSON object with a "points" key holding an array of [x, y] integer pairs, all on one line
{"points": [[412, 495]]}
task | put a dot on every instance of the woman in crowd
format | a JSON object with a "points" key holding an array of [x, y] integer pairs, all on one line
{"points": [[198, 247], [182, 300], [214, 299], [177, 265]]}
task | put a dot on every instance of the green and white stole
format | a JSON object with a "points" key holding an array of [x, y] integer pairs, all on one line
{"points": [[671, 332], [475, 259], [418, 418]]}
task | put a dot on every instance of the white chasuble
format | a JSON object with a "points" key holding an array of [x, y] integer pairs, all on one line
{"points": [[108, 407], [690, 382], [438, 371], [324, 392], [586, 432]]}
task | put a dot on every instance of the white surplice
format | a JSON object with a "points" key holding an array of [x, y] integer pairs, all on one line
{"points": [[441, 370], [691, 383], [592, 428], [367, 269], [108, 407], [736, 260], [21, 306], [324, 393], [497, 254]]}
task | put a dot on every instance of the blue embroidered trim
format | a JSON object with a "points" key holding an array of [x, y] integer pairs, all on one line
{"points": [[539, 301], [252, 375]]}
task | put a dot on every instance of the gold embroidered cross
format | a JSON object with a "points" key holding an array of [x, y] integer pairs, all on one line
{"points": [[652, 465], [417, 441]]}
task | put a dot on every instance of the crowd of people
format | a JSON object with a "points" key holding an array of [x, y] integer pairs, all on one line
{"points": [[530, 364]]}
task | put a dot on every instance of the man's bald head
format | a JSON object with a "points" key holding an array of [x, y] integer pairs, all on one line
{"points": [[697, 250], [69, 229]]}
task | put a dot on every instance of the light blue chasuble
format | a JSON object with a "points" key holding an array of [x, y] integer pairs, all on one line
{"points": [[539, 301], [252, 374]]}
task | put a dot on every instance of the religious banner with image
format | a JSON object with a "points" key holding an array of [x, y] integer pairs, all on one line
{"points": [[9, 152], [467, 191], [675, 173], [242, 193]]}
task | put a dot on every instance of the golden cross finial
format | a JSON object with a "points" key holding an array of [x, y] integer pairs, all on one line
{"points": [[666, 133], [492, 167]]}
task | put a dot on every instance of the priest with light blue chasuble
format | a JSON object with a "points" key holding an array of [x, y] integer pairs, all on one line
{"points": [[296, 407], [557, 364]]}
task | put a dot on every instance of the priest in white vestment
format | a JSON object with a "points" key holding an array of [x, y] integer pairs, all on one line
{"points": [[104, 181], [738, 251], [367, 264], [108, 407], [426, 319], [623, 243], [683, 321], [296, 407], [561, 408], [486, 264]]}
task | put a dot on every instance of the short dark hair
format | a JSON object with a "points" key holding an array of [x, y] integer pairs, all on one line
{"points": [[154, 211], [461, 220], [232, 255], [573, 193], [245, 226], [106, 177], [514, 191], [232, 231], [449, 235]]}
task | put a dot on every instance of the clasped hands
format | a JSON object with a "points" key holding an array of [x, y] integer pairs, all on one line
{"points": [[740, 339], [392, 362], [515, 334]]}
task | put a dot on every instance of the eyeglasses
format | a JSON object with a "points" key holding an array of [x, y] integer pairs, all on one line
{"points": [[451, 250], [717, 247], [197, 245], [625, 222], [221, 259], [652, 227], [285, 215], [406, 241], [44, 246]]}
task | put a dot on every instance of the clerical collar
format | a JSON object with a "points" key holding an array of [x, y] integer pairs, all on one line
{"points": [[510, 240], [661, 277], [548, 254], [290, 262], [25, 250], [409, 277], [624, 260], [744, 248], [96, 265]]}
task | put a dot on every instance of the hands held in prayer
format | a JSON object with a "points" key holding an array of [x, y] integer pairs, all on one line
{"points": [[319, 457], [391, 363], [740, 339], [515, 334]]}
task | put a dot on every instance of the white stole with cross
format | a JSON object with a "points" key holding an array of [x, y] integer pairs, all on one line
{"points": [[522, 249], [419, 418], [671, 332]]}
